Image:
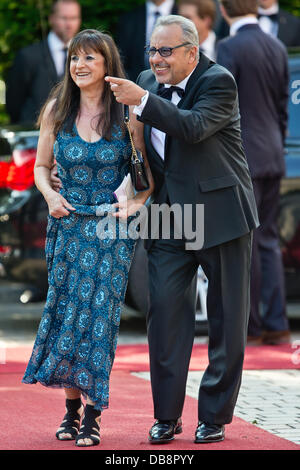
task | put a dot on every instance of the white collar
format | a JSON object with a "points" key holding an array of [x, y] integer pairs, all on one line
{"points": [[209, 42], [55, 43], [183, 83], [242, 22], [269, 11], [164, 9]]}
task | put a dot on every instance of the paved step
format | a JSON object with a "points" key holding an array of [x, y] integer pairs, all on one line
{"points": [[16, 312]]}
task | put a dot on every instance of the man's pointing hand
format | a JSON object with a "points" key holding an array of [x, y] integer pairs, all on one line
{"points": [[125, 91]]}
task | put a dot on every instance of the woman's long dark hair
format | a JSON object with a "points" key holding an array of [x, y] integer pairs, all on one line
{"points": [[67, 93]]}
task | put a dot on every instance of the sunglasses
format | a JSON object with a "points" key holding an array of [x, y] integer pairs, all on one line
{"points": [[163, 51]]}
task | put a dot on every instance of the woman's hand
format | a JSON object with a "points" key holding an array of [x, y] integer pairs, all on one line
{"points": [[58, 205]]}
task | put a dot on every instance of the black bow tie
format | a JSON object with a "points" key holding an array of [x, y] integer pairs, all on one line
{"points": [[166, 92], [273, 17]]}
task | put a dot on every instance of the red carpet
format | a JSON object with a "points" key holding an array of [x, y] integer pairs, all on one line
{"points": [[30, 414], [135, 358]]}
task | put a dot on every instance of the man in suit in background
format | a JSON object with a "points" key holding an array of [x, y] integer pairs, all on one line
{"points": [[275, 21], [38, 67], [279, 23], [203, 15], [193, 144], [259, 64], [134, 31]]}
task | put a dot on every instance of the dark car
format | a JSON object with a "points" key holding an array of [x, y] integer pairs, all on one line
{"points": [[23, 214]]}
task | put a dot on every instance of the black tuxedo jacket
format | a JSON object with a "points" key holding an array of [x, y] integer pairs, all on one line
{"points": [[204, 160], [29, 83], [260, 66], [131, 40], [288, 29]]}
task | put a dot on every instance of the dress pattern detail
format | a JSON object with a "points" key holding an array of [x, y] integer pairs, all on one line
{"points": [[87, 273]]}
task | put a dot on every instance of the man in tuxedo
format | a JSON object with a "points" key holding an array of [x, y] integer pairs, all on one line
{"points": [[259, 64], [203, 15], [134, 31], [279, 23], [189, 107], [38, 67], [275, 21]]}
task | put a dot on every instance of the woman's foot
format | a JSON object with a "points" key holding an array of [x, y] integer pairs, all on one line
{"points": [[89, 433], [69, 428]]}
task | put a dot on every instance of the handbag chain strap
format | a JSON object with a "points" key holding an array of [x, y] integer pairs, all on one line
{"points": [[134, 154]]}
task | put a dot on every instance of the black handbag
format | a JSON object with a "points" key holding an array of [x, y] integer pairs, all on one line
{"points": [[137, 166]]}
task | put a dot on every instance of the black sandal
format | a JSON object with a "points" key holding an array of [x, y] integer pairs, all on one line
{"points": [[71, 421], [89, 429]]}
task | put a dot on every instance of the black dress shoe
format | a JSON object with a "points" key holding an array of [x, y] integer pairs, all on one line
{"points": [[163, 431], [206, 433]]}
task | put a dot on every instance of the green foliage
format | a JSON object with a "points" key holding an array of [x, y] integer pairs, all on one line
{"points": [[4, 119], [293, 6], [24, 22]]}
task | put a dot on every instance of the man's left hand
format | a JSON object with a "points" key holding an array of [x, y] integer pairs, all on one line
{"points": [[125, 91]]}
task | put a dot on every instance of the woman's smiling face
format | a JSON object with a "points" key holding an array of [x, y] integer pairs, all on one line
{"points": [[87, 68]]}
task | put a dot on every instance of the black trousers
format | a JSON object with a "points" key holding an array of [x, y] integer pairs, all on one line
{"points": [[171, 325], [268, 305]]}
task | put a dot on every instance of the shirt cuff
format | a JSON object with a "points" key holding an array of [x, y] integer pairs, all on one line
{"points": [[140, 108]]}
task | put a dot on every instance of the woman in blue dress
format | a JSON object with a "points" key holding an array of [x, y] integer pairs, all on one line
{"points": [[81, 127]]}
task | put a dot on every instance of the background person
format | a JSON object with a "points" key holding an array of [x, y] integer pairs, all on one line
{"points": [[203, 15], [134, 31], [195, 153], [275, 21], [259, 64], [279, 23], [76, 340], [38, 67]]}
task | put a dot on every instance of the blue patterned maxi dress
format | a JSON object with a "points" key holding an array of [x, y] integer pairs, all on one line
{"points": [[87, 273]]}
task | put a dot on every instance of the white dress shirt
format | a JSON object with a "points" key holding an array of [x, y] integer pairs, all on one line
{"points": [[164, 9], [266, 24], [56, 47], [158, 137], [208, 47]]}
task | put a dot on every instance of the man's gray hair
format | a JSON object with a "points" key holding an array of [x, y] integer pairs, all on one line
{"points": [[189, 31]]}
